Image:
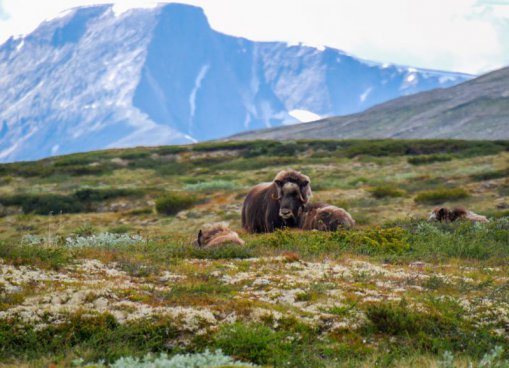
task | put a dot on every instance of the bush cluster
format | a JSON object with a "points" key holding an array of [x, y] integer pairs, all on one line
{"points": [[172, 203], [439, 196], [385, 191]]}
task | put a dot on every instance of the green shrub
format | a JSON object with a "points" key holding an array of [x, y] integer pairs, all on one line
{"points": [[103, 240], [194, 360], [51, 204], [96, 337], [227, 251], [252, 342], [52, 257], [88, 195], [437, 330], [394, 240], [439, 196], [490, 175], [385, 191], [172, 203], [461, 240], [428, 159]]}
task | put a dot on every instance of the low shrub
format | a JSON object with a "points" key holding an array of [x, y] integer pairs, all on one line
{"points": [[51, 204], [88, 195], [433, 331], [103, 240], [490, 175], [212, 185], [461, 240], [227, 251], [385, 191], [439, 196], [33, 254], [394, 240], [206, 359], [172, 203], [43, 204], [252, 342], [428, 159], [97, 337]]}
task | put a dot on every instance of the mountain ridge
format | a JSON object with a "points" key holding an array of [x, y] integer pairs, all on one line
{"points": [[475, 109], [93, 79]]}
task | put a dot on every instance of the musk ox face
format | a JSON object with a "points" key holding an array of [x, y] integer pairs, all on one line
{"points": [[439, 214], [293, 192]]}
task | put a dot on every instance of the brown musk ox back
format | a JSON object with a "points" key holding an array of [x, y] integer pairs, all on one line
{"points": [[274, 205], [444, 214], [324, 217], [214, 235]]}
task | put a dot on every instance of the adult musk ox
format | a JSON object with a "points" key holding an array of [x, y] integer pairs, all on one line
{"points": [[444, 214], [324, 217], [269, 206], [214, 235]]}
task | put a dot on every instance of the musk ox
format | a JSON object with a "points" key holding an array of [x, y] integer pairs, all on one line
{"points": [[444, 214], [269, 206], [214, 235], [323, 217]]}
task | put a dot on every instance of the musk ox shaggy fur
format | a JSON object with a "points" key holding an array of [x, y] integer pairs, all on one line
{"points": [[269, 206], [444, 214], [215, 235], [324, 217]]}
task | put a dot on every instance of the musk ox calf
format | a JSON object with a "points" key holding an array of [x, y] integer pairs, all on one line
{"points": [[274, 205], [444, 214], [325, 217], [214, 235]]}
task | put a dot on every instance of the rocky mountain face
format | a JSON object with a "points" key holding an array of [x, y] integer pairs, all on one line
{"points": [[93, 79], [477, 109]]}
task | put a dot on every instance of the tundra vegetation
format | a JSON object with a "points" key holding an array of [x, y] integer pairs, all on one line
{"points": [[97, 266]]}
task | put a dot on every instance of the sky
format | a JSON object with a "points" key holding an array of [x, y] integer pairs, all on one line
{"points": [[470, 36]]}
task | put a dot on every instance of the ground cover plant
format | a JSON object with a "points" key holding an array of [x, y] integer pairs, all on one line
{"points": [[97, 266]]}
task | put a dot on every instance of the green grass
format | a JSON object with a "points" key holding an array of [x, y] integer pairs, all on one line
{"points": [[389, 186]]}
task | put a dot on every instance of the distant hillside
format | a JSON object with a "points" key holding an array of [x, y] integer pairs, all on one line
{"points": [[477, 109], [93, 79]]}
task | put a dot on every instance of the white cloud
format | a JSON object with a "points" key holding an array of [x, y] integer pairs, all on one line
{"points": [[461, 35]]}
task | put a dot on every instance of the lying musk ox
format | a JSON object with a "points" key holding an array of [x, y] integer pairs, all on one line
{"points": [[323, 217], [269, 206], [214, 235], [444, 214]]}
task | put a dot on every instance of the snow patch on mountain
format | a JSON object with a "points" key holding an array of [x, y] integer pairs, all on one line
{"points": [[304, 116]]}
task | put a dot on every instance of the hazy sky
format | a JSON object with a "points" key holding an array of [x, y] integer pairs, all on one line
{"points": [[461, 35]]}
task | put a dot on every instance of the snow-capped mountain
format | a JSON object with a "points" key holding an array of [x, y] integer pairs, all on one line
{"points": [[93, 79]]}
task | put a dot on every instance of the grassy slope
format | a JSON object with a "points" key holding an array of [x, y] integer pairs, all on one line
{"points": [[395, 291]]}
